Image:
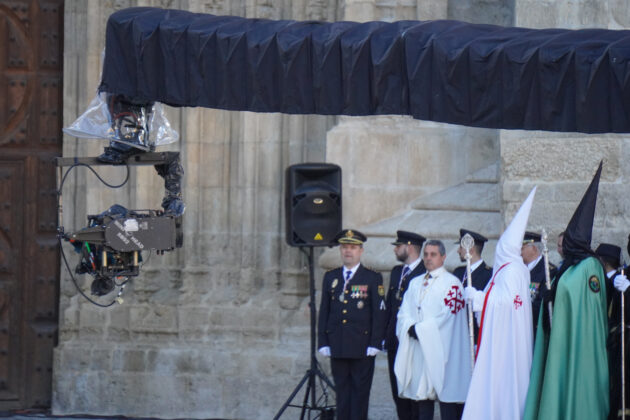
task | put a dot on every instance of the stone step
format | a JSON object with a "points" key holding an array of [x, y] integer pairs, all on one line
{"points": [[476, 197], [438, 223], [489, 174], [474, 204], [379, 254]]}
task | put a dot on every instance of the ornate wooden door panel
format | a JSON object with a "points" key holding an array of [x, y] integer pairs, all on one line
{"points": [[31, 41]]}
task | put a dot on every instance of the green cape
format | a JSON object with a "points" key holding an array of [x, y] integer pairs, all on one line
{"points": [[569, 378]]}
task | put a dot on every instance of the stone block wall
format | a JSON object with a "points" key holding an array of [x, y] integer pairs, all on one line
{"points": [[562, 166]]}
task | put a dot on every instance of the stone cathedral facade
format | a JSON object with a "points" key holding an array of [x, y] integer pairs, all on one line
{"points": [[220, 327]]}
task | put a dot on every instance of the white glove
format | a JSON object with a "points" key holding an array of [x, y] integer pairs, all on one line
{"points": [[474, 297], [621, 282], [324, 351], [372, 351]]}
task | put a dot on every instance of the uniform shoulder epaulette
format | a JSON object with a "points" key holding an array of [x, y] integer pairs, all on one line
{"points": [[369, 268], [487, 267]]}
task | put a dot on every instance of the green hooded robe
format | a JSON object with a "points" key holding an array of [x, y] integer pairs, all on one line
{"points": [[569, 378]]}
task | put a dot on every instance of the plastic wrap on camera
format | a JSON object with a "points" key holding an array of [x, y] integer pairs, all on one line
{"points": [[116, 118]]}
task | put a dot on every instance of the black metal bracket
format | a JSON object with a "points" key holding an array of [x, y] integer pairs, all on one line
{"points": [[148, 158]]}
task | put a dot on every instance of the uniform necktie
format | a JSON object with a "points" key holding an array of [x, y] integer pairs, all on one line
{"points": [[405, 272], [345, 284]]}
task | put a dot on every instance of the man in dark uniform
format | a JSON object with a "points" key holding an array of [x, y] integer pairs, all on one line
{"points": [[351, 326], [407, 248], [533, 259], [610, 256], [481, 272]]}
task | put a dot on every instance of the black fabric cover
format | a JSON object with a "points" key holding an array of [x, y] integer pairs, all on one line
{"points": [[446, 71]]}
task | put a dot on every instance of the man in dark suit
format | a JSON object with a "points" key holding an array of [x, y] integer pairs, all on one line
{"points": [[616, 283], [351, 326], [481, 272], [407, 248], [533, 259]]}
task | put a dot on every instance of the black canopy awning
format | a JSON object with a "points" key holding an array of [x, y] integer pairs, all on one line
{"points": [[445, 71]]}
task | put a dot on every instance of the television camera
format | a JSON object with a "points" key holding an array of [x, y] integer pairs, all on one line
{"points": [[111, 245]]}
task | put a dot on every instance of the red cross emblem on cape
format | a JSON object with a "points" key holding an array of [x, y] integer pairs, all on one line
{"points": [[454, 299], [518, 302]]}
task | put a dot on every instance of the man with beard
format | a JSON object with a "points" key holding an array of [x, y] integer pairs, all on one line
{"points": [[407, 247], [480, 271], [351, 324]]}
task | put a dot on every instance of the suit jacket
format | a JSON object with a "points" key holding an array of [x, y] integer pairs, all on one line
{"points": [[480, 275], [538, 284], [394, 300], [352, 324]]}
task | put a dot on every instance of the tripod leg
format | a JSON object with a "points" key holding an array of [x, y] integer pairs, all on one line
{"points": [[293, 394], [322, 375], [315, 370], [309, 388]]}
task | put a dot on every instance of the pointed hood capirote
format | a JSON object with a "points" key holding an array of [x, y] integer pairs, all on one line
{"points": [[576, 244], [508, 247]]}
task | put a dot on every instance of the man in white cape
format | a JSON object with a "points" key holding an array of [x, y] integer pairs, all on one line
{"points": [[498, 388], [433, 358]]}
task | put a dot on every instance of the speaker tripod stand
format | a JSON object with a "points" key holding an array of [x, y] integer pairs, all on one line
{"points": [[323, 411]]}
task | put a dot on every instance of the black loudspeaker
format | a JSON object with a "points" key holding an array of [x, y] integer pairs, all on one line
{"points": [[313, 203]]}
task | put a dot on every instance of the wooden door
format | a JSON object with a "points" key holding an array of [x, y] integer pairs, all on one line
{"points": [[31, 47]]}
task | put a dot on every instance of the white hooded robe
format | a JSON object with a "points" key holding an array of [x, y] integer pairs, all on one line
{"points": [[498, 388]]}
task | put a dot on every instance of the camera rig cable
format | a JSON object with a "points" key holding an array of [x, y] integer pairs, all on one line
{"points": [[61, 233]]}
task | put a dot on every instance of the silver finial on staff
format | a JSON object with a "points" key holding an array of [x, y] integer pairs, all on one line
{"points": [[467, 243], [544, 237]]}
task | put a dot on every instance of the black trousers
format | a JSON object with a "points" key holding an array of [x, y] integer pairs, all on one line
{"points": [[614, 370], [405, 408], [448, 411], [353, 381]]}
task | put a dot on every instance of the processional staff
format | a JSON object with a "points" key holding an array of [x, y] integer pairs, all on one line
{"points": [[623, 352], [547, 275], [467, 243]]}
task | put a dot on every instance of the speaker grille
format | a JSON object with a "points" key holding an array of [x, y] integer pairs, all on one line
{"points": [[313, 204]]}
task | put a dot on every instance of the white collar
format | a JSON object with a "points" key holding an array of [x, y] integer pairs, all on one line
{"points": [[352, 270], [474, 266], [532, 264], [413, 265], [436, 273]]}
